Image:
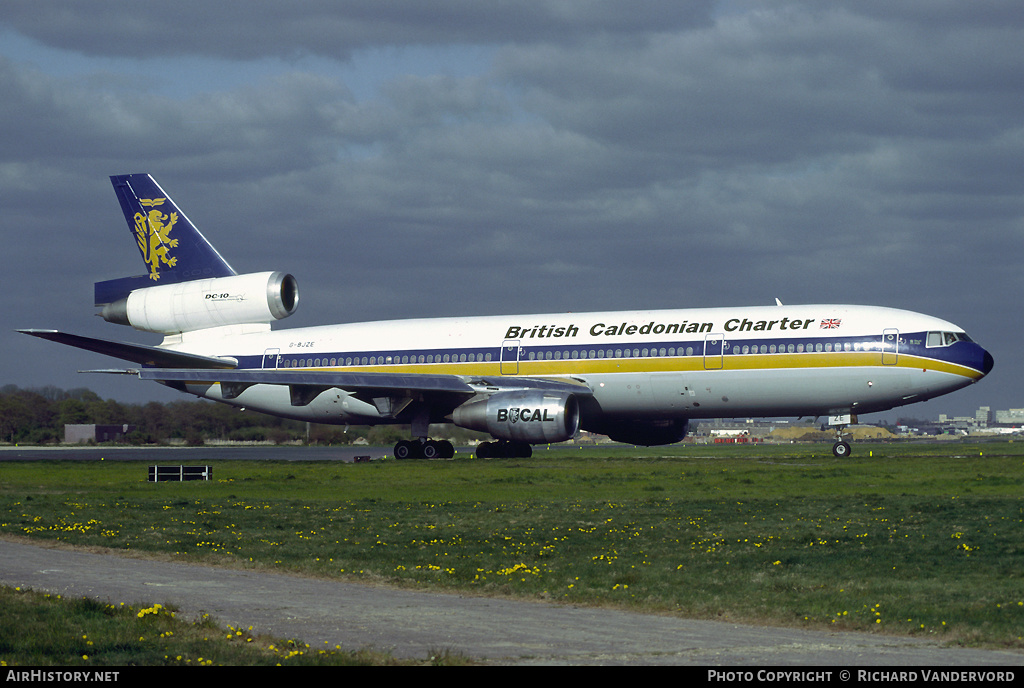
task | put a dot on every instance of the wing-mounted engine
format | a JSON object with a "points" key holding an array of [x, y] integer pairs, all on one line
{"points": [[532, 416], [200, 304]]}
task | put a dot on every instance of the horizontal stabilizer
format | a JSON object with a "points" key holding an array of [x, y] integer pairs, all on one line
{"points": [[136, 353]]}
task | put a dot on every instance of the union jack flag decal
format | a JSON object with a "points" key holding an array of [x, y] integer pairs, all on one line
{"points": [[830, 323]]}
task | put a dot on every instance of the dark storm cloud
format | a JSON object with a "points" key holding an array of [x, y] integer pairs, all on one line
{"points": [[261, 28]]}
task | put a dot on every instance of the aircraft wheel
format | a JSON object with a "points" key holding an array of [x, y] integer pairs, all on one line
{"points": [[405, 450], [841, 450], [447, 450], [431, 450]]}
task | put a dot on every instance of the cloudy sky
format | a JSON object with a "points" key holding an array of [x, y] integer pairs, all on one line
{"points": [[404, 158]]}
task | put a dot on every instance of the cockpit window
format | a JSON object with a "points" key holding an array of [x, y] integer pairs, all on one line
{"points": [[946, 338]]}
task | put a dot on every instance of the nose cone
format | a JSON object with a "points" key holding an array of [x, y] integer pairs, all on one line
{"points": [[987, 363]]}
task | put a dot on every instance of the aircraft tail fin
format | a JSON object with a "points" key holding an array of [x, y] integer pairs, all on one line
{"points": [[172, 249]]}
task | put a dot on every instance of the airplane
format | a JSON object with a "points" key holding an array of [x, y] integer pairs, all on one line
{"points": [[640, 377]]}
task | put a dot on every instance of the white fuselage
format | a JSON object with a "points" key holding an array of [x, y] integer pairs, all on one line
{"points": [[667, 364]]}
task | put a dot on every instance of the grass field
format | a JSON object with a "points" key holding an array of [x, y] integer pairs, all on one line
{"points": [[909, 539]]}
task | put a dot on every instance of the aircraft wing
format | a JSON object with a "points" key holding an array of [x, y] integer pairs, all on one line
{"points": [[364, 383], [393, 394], [367, 383], [390, 392]]}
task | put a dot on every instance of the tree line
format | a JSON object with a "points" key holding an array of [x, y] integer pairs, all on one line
{"points": [[38, 416]]}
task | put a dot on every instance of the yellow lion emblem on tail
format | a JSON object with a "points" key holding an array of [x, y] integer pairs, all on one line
{"points": [[152, 232]]}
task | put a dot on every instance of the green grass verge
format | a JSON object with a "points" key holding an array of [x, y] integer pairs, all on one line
{"points": [[38, 629], [921, 540]]}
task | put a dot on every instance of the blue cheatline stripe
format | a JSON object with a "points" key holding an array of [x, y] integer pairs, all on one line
{"points": [[657, 357]]}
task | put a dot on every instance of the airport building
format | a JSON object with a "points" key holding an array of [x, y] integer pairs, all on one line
{"points": [[982, 418], [1010, 417], [83, 434]]}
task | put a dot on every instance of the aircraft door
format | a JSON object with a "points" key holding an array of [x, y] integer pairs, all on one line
{"points": [[510, 357], [271, 357], [890, 346], [713, 349]]}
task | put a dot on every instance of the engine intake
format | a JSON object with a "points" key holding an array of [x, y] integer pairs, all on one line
{"points": [[187, 306], [532, 416]]}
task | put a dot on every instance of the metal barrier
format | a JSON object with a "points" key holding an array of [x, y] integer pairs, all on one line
{"points": [[159, 474]]}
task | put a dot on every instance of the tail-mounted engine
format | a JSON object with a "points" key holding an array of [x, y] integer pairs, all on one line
{"points": [[197, 305], [532, 416]]}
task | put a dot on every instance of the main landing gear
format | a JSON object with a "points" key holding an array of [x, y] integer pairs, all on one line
{"points": [[424, 449]]}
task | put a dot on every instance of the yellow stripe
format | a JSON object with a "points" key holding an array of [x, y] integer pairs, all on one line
{"points": [[685, 364]]}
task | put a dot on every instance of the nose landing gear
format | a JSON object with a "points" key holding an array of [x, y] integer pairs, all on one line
{"points": [[841, 449]]}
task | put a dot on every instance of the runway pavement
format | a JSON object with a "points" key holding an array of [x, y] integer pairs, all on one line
{"points": [[415, 624]]}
